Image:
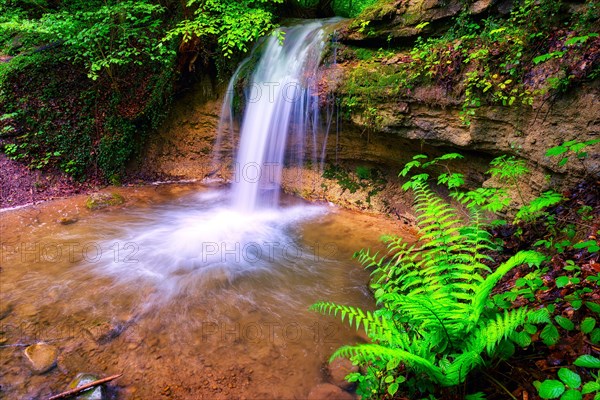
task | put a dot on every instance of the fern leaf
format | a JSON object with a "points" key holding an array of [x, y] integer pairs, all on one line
{"points": [[457, 371], [374, 352], [485, 289]]}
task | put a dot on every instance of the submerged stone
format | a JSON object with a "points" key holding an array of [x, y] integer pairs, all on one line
{"points": [[95, 393], [338, 370], [67, 220], [97, 201], [42, 357], [327, 391]]}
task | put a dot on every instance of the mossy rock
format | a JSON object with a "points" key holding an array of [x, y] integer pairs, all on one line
{"points": [[97, 201], [95, 393]]}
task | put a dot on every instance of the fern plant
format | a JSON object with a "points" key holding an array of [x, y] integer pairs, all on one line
{"points": [[434, 313]]}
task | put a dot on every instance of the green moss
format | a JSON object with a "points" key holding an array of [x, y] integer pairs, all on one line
{"points": [[378, 10], [497, 61], [369, 84], [98, 201], [65, 120]]}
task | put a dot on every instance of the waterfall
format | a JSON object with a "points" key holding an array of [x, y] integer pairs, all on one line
{"points": [[280, 123]]}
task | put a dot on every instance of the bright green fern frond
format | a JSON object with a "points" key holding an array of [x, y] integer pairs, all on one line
{"points": [[485, 289], [374, 352], [540, 316], [433, 296], [494, 330], [458, 370], [374, 326]]}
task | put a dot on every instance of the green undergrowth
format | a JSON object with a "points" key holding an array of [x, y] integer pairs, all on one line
{"points": [[541, 50], [474, 295], [54, 116], [84, 84], [341, 8], [350, 8]]}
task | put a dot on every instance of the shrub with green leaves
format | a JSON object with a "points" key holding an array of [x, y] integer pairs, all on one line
{"points": [[572, 148], [569, 384], [350, 8], [506, 170], [234, 24], [434, 312], [102, 38]]}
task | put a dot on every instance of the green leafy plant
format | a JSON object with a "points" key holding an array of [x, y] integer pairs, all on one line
{"points": [[508, 169], [569, 384], [571, 148], [590, 245], [526, 286], [434, 314], [103, 38], [535, 208], [234, 24]]}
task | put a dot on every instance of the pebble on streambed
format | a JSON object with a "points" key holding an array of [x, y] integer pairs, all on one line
{"points": [[327, 391], [67, 220], [338, 369], [42, 357]]}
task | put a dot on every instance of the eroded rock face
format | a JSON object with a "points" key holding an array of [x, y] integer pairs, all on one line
{"points": [[525, 132], [184, 145], [427, 122], [405, 20]]}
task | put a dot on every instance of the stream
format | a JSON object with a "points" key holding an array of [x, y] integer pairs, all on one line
{"points": [[179, 293], [192, 291]]}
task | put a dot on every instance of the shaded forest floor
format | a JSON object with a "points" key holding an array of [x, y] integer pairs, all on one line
{"points": [[21, 185], [567, 284]]}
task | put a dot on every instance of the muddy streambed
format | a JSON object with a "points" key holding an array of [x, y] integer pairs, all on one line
{"points": [[185, 297]]}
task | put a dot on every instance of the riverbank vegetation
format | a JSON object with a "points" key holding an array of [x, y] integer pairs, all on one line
{"points": [[480, 307], [532, 53], [84, 84]]}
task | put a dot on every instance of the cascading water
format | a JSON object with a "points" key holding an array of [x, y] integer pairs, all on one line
{"points": [[195, 284], [221, 235], [281, 115]]}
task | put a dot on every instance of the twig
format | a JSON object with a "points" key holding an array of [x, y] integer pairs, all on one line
{"points": [[30, 344], [15, 345], [72, 392]]}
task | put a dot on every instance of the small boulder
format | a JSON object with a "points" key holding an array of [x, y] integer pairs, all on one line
{"points": [[67, 220], [42, 357], [480, 6], [97, 201], [338, 369], [327, 391], [95, 393]]}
